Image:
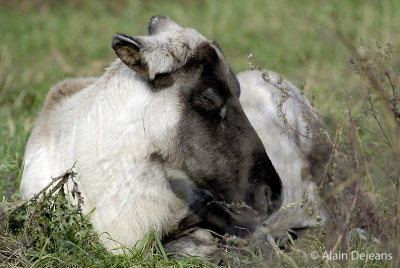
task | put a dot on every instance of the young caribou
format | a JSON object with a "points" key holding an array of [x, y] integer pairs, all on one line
{"points": [[159, 141]]}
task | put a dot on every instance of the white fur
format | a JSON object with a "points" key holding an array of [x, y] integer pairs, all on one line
{"points": [[287, 150], [109, 129]]}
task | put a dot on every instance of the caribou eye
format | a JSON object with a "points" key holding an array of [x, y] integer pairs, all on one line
{"points": [[209, 104], [210, 96]]}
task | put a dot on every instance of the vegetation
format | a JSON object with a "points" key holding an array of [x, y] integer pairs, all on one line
{"points": [[343, 54]]}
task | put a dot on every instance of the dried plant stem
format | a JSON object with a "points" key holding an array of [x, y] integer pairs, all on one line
{"points": [[365, 161], [332, 154], [379, 123], [370, 73], [61, 180], [357, 187]]}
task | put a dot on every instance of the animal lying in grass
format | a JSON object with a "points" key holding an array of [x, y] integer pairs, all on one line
{"points": [[161, 141], [164, 117]]}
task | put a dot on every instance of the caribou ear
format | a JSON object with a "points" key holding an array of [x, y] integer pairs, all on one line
{"points": [[159, 24], [128, 49]]}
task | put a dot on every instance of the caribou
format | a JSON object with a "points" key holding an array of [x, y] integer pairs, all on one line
{"points": [[159, 141]]}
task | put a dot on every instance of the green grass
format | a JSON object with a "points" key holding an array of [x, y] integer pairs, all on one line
{"points": [[42, 42]]}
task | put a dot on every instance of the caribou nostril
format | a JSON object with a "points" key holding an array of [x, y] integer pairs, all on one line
{"points": [[262, 197], [268, 194], [267, 201]]}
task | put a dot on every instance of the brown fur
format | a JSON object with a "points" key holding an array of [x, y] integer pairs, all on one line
{"points": [[57, 94], [66, 89]]}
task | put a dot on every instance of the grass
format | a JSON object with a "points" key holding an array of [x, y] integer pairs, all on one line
{"points": [[43, 42]]}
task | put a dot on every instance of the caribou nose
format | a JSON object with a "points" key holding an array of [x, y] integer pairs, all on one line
{"points": [[267, 186], [264, 186]]}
